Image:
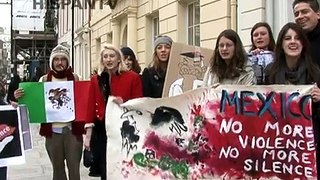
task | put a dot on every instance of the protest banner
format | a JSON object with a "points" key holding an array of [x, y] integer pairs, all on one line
{"points": [[227, 132], [186, 68], [11, 144]]}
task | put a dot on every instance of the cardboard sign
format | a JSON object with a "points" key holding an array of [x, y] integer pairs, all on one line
{"points": [[228, 132], [186, 68]]}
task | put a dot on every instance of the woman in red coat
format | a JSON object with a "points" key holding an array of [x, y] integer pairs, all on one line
{"points": [[114, 79]]}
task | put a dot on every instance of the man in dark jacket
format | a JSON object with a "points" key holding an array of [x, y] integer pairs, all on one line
{"points": [[307, 15]]}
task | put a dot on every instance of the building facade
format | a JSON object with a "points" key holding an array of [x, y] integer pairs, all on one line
{"points": [[5, 45], [276, 12], [74, 32], [136, 23], [33, 37], [81, 40], [65, 29]]}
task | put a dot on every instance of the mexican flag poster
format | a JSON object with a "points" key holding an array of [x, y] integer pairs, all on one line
{"points": [[61, 101]]}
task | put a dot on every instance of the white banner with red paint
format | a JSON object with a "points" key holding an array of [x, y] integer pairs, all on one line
{"points": [[227, 132]]}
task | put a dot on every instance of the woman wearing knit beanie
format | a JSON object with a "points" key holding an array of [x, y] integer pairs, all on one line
{"points": [[153, 77]]}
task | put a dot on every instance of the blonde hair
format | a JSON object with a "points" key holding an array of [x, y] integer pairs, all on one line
{"points": [[121, 66]]}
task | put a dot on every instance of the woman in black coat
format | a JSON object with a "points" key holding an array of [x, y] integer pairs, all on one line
{"points": [[153, 77]]}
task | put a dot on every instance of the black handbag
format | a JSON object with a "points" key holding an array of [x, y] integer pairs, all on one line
{"points": [[87, 158]]}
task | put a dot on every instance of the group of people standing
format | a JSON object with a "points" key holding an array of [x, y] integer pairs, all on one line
{"points": [[295, 57], [295, 60], [118, 75]]}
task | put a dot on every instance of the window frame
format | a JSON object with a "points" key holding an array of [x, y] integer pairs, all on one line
{"points": [[278, 13], [155, 28], [193, 24]]}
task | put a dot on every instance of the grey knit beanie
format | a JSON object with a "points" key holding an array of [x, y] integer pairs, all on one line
{"points": [[162, 40]]}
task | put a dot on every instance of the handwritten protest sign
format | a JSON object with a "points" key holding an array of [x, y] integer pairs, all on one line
{"points": [[186, 68], [229, 132]]}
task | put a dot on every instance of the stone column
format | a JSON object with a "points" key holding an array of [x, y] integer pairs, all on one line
{"points": [[116, 33], [233, 4], [132, 30]]}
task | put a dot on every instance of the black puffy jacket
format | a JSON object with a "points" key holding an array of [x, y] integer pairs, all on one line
{"points": [[153, 82]]}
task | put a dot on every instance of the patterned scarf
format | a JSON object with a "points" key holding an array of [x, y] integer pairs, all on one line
{"points": [[297, 76], [61, 74]]}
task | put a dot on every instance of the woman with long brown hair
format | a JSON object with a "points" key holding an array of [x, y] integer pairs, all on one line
{"points": [[229, 63], [262, 48], [130, 59], [293, 65], [292, 61]]}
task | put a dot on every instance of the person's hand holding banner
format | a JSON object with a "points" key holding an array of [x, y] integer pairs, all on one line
{"points": [[315, 93], [118, 100]]}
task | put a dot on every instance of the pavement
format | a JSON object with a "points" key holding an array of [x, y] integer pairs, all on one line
{"points": [[38, 166]]}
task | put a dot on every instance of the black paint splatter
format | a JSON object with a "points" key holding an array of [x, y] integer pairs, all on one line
{"points": [[166, 114], [128, 132]]}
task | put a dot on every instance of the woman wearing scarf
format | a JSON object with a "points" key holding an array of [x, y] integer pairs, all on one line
{"points": [[293, 65], [292, 62]]}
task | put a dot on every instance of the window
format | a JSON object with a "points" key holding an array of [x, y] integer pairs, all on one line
{"points": [[98, 48], [194, 23], [278, 13], [155, 27]]}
